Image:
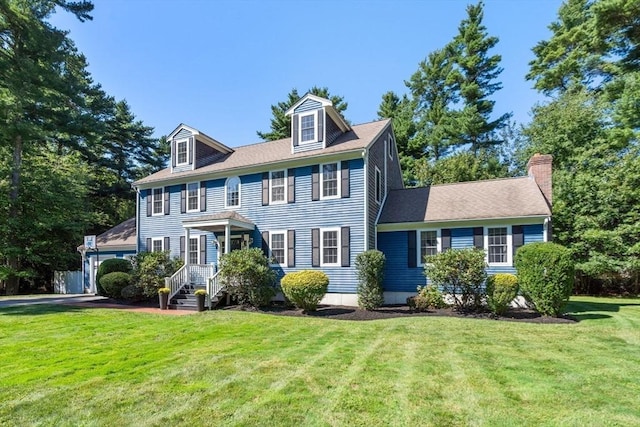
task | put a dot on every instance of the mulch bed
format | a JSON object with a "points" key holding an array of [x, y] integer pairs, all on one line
{"points": [[391, 311]]}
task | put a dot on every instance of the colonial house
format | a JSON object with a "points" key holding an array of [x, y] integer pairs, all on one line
{"points": [[319, 198]]}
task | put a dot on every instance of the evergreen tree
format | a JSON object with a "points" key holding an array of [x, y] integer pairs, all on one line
{"points": [[281, 124]]}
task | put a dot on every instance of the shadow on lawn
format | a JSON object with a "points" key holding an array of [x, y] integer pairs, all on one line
{"points": [[39, 309], [588, 310]]}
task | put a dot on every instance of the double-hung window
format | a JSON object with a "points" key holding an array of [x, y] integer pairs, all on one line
{"points": [[308, 128], [278, 247], [330, 179], [497, 245], [330, 246], [390, 147], [182, 151], [232, 189], [194, 250], [428, 244], [278, 186], [193, 197], [156, 245], [157, 201]]}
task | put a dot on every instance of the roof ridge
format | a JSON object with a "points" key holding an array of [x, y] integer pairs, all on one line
{"points": [[509, 178]]}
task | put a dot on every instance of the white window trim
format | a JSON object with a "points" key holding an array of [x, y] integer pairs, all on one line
{"points": [[338, 178], [421, 262], [157, 239], [509, 262], [226, 195], [188, 249], [278, 202], [153, 201], [286, 247], [339, 243], [197, 208], [378, 194], [315, 127], [179, 141], [390, 147]]}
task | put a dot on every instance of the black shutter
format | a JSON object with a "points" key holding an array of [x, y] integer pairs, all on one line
{"points": [[445, 238], [291, 247], [148, 244], [265, 244], [203, 196], [412, 255], [182, 245], [167, 194], [291, 186], [265, 188], [345, 242], [203, 249], [315, 182], [320, 125], [518, 237], [315, 247], [345, 179], [183, 198], [174, 148], [294, 130], [149, 206], [167, 244], [191, 151], [478, 237]]}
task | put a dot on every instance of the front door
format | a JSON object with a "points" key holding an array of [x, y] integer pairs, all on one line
{"points": [[236, 244]]}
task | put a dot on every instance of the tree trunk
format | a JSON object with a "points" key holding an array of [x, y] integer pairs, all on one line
{"points": [[13, 261]]}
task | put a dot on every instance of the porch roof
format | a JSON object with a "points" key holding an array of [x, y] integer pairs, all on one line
{"points": [[218, 222]]}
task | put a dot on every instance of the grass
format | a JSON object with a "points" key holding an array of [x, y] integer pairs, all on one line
{"points": [[63, 365]]}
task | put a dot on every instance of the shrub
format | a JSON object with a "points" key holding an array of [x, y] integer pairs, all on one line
{"points": [[502, 288], [370, 268], [305, 288], [114, 283], [111, 265], [546, 274], [459, 273], [248, 277], [428, 297], [131, 293], [150, 269]]}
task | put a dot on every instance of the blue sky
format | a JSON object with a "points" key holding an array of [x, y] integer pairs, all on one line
{"points": [[219, 65]]}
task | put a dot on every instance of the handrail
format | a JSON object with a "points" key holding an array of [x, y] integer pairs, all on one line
{"points": [[176, 281], [189, 273], [214, 286]]}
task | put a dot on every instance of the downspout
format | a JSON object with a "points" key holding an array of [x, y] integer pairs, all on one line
{"points": [[365, 158]]}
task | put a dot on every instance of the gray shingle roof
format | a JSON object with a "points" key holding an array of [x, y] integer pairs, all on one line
{"points": [[498, 198], [123, 234], [277, 151], [220, 216]]}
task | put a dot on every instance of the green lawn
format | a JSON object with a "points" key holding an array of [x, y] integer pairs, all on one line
{"points": [[62, 365]]}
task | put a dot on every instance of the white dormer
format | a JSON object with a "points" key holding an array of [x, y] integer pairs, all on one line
{"points": [[315, 124], [191, 149]]}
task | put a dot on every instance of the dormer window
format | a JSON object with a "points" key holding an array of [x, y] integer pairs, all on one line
{"points": [[308, 128], [182, 151]]}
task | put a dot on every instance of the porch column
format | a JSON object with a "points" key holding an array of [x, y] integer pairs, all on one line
{"points": [[186, 245], [227, 238]]}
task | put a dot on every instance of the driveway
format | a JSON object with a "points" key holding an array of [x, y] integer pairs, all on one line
{"points": [[18, 300]]}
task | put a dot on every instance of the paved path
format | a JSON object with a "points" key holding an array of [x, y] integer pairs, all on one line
{"points": [[80, 300]]}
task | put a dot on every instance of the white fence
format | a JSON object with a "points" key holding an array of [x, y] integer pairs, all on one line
{"points": [[67, 282]]}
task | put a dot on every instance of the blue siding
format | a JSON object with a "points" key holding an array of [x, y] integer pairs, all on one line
{"points": [[533, 233], [461, 238], [184, 133], [301, 216], [308, 146], [398, 277], [308, 105], [181, 135]]}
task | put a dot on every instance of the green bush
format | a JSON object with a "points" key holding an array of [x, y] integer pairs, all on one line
{"points": [[459, 273], [370, 269], [150, 269], [305, 288], [546, 275], [502, 288], [131, 293], [248, 277], [428, 297], [111, 265], [114, 283]]}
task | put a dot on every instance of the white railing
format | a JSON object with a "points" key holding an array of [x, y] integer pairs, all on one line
{"points": [[214, 286], [197, 274]]}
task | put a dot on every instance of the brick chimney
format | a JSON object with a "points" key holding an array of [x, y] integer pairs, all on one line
{"points": [[539, 168]]}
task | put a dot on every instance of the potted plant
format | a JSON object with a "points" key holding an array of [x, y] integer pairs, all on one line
{"points": [[200, 298], [163, 295]]}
